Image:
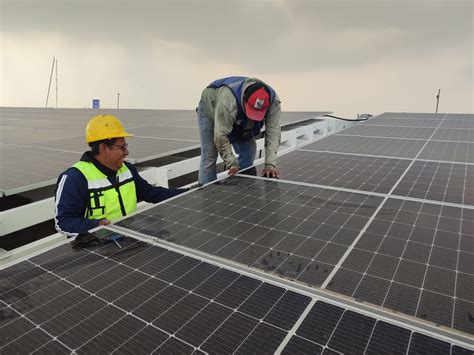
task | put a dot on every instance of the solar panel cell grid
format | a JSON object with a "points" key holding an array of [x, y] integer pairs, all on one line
{"points": [[338, 330], [418, 269], [451, 141], [201, 308], [299, 233], [221, 303], [340, 170], [444, 182], [462, 123], [396, 122], [417, 115], [456, 135], [399, 148], [448, 151], [297, 345], [414, 256], [369, 129]]}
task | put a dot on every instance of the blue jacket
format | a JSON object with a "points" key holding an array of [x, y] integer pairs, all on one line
{"points": [[72, 197]]}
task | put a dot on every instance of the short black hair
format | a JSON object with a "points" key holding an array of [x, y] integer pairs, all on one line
{"points": [[95, 145]]}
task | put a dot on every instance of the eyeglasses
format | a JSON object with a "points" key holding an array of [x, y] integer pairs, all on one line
{"points": [[123, 146]]}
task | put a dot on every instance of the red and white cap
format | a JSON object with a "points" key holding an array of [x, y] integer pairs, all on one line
{"points": [[257, 104]]}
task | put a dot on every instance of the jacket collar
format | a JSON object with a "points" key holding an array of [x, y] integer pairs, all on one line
{"points": [[88, 157]]}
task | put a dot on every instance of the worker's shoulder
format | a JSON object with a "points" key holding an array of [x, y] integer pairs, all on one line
{"points": [[72, 175], [72, 170]]}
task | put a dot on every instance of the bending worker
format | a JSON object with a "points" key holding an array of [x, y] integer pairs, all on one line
{"points": [[232, 111], [102, 187]]}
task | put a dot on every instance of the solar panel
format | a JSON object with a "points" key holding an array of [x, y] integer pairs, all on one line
{"points": [[27, 136], [140, 147], [395, 122], [344, 331], [339, 143], [167, 132], [458, 123], [15, 152], [456, 135], [419, 250], [33, 171], [139, 298], [142, 298], [417, 115], [449, 151], [294, 231], [392, 132], [342, 170], [448, 139], [447, 182]]}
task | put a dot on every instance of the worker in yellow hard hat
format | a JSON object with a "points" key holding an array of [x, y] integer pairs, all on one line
{"points": [[102, 186]]}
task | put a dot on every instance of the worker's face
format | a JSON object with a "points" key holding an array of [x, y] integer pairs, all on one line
{"points": [[115, 154]]}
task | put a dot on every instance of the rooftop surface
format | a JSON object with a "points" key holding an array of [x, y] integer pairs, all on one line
{"points": [[365, 245]]}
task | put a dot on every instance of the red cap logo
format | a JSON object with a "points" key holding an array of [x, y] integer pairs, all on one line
{"points": [[257, 105]]}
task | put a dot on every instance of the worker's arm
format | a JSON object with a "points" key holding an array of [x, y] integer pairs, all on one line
{"points": [[224, 118], [148, 192], [71, 204], [272, 134]]}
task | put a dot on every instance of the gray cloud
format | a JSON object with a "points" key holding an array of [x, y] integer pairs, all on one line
{"points": [[160, 54], [267, 36]]}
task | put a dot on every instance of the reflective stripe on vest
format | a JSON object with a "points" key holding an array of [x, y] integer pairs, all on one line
{"points": [[107, 200], [235, 84]]}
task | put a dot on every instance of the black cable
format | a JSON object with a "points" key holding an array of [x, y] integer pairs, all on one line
{"points": [[346, 119]]}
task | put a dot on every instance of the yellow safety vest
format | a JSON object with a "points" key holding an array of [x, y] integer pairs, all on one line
{"points": [[107, 200]]}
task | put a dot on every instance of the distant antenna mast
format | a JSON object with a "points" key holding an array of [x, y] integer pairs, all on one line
{"points": [[437, 100], [118, 100], [50, 78], [57, 83]]}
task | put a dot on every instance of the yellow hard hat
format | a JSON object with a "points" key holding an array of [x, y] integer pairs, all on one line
{"points": [[104, 127]]}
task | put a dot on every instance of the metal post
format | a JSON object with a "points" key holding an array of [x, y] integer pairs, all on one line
{"points": [[437, 100], [118, 100], [49, 86], [57, 83]]}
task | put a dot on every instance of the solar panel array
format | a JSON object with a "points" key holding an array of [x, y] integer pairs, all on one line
{"points": [[375, 222], [37, 144], [143, 298], [267, 260], [416, 254]]}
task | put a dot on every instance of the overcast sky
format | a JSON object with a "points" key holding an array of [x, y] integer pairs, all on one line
{"points": [[348, 56]]}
